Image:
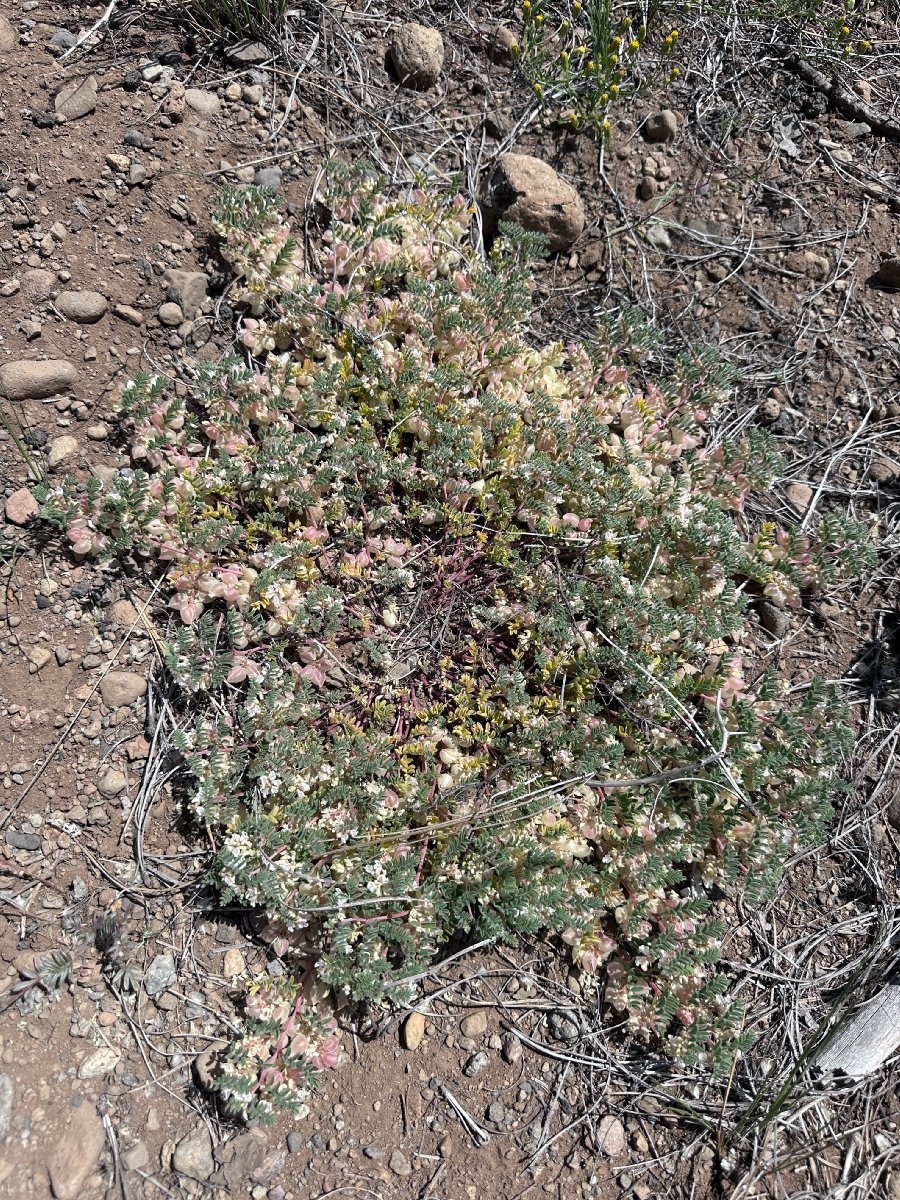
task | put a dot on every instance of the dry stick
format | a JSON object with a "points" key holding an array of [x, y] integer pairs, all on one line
{"points": [[71, 725], [104, 19], [845, 101]]}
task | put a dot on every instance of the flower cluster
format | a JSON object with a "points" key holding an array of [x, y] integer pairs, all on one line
{"points": [[461, 621], [286, 1042]]}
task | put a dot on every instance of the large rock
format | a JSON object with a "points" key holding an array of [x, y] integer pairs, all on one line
{"points": [[660, 126], [77, 99], [193, 1156], [417, 55], [9, 39], [37, 379], [76, 1152], [84, 307], [120, 688], [21, 507], [529, 193], [207, 104], [190, 288]]}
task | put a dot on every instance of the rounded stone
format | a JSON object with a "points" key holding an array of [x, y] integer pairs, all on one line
{"points": [[113, 783], [85, 308], [413, 1030], [474, 1025], [661, 126], [170, 314], [417, 55], [120, 688], [503, 46], [528, 192], [37, 379]]}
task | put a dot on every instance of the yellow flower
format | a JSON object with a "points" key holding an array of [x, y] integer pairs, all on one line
{"points": [[576, 7], [591, 67], [614, 90], [539, 19], [526, 6], [539, 90], [617, 41], [564, 58], [634, 44], [581, 49], [613, 60], [864, 47], [845, 31], [674, 73]]}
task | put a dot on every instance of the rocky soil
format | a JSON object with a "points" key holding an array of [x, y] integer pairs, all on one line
{"points": [[776, 241]]}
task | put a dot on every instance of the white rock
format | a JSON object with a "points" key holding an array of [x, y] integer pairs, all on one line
{"points": [[191, 288], [102, 1062]]}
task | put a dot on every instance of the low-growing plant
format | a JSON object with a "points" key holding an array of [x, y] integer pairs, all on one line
{"points": [[462, 629], [584, 56]]}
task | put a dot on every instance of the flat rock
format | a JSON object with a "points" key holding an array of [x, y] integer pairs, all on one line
{"points": [[77, 99], [268, 177], [207, 104], [76, 1152], [136, 1157], [9, 39], [102, 1062], [193, 1156], [37, 379], [160, 975], [400, 1164], [191, 287], [800, 495], [125, 615], [528, 192], [247, 53], [62, 448], [21, 507], [417, 55], [233, 963], [83, 307], [119, 688], [23, 841], [38, 284]]}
